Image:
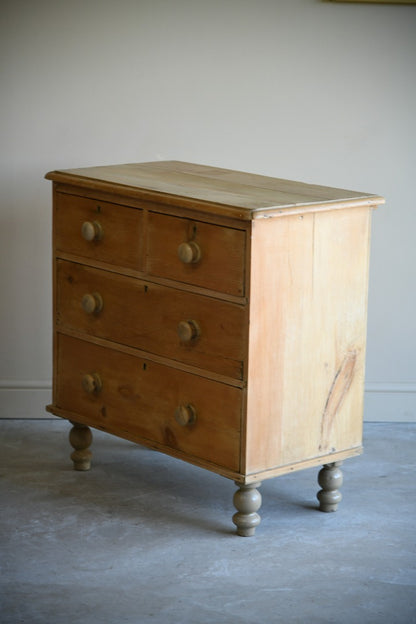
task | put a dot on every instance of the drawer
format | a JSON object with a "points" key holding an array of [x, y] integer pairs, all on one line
{"points": [[122, 394], [197, 253], [116, 232], [191, 328]]}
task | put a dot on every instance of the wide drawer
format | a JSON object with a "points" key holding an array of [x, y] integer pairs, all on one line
{"points": [[128, 395], [99, 230], [195, 329], [198, 253]]}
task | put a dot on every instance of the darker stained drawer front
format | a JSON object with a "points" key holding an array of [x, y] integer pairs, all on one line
{"points": [[119, 230], [153, 318], [220, 266], [139, 398]]}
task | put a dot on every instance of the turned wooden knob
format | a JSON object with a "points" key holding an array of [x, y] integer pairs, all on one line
{"points": [[185, 415], [189, 252], [92, 303], [92, 383], [91, 230], [188, 330]]}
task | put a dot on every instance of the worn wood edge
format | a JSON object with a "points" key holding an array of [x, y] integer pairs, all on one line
{"points": [[247, 287], [309, 463], [235, 187], [98, 264], [54, 294], [204, 206], [153, 357], [156, 205], [151, 279], [167, 450], [239, 477], [196, 290], [299, 209]]}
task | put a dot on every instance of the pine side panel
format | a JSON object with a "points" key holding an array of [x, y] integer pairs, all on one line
{"points": [[306, 357]]}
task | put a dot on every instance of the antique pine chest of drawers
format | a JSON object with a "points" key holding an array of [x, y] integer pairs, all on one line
{"points": [[213, 315]]}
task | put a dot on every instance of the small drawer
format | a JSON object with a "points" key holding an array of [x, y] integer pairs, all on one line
{"points": [[99, 230], [195, 329], [197, 253], [121, 394]]}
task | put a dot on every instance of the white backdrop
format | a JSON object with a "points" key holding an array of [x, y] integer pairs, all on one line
{"points": [[304, 89]]}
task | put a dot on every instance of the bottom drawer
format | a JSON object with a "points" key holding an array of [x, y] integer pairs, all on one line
{"points": [[125, 394]]}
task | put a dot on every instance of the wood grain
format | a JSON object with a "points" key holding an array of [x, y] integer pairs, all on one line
{"points": [[187, 184], [339, 388], [131, 401], [145, 315], [122, 241], [222, 263], [307, 337]]}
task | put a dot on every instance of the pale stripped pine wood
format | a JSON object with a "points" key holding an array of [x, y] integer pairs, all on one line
{"points": [[219, 187], [307, 337]]}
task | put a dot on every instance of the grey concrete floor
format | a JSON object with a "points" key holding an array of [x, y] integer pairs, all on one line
{"points": [[144, 538]]}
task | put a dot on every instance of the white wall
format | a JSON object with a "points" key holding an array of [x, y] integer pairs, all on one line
{"points": [[302, 89]]}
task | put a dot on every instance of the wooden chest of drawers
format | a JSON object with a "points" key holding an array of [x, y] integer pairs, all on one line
{"points": [[214, 315]]}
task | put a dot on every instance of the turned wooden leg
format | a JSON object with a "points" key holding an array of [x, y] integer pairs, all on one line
{"points": [[330, 480], [247, 501], [80, 438]]}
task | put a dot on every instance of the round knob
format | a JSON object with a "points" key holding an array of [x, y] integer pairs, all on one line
{"points": [[185, 415], [91, 230], [92, 383], [188, 330], [92, 303], [189, 252]]}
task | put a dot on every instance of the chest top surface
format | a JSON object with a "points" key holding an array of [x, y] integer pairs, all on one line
{"points": [[214, 190]]}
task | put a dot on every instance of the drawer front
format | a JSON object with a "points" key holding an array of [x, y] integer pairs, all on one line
{"points": [[194, 329], [197, 253], [116, 232], [122, 394]]}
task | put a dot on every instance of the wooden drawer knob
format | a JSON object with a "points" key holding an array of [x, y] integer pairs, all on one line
{"points": [[185, 415], [92, 303], [91, 231], [188, 331], [189, 252], [92, 383]]}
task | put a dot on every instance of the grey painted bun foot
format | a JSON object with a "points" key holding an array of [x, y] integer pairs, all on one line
{"points": [[330, 479], [80, 438], [247, 501]]}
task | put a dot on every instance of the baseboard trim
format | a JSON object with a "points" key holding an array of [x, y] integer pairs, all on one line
{"points": [[390, 402], [393, 387], [383, 402], [24, 399], [27, 384]]}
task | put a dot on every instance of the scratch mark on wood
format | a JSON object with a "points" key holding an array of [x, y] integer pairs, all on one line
{"points": [[339, 388]]}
